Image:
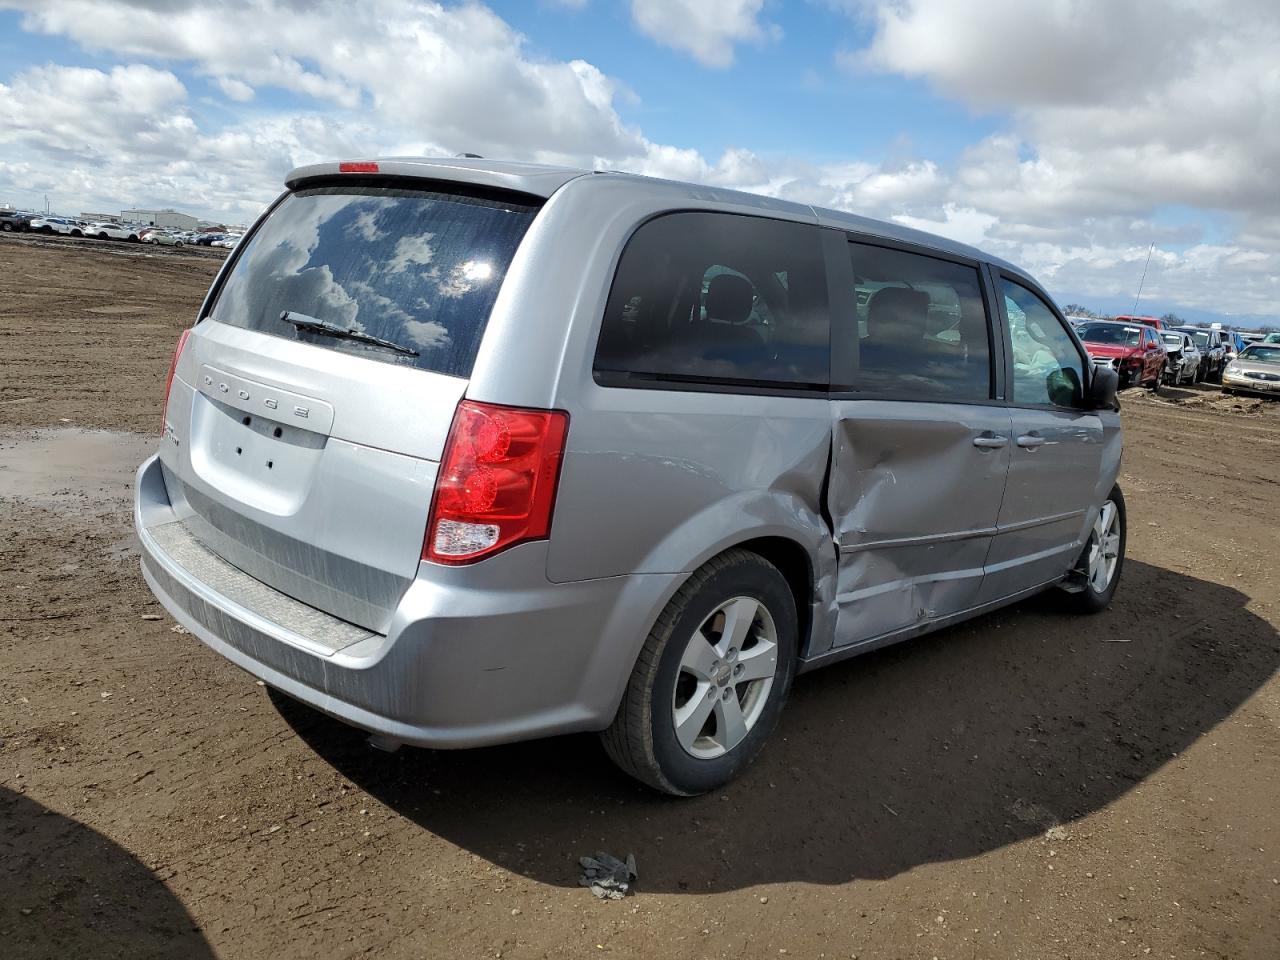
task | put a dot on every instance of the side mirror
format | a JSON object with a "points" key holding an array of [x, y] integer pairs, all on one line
{"points": [[1102, 388]]}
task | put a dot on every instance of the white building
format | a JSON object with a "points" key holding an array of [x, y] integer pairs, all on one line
{"points": [[160, 218]]}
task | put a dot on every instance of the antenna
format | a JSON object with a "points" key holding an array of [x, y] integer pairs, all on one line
{"points": [[1144, 278]]}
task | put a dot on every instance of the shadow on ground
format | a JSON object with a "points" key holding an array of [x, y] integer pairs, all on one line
{"points": [[941, 748], [68, 891]]}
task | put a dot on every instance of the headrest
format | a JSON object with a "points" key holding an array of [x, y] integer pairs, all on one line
{"points": [[897, 313], [729, 299]]}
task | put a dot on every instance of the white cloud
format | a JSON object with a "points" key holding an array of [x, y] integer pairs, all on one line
{"points": [[1113, 114], [237, 90], [707, 30]]}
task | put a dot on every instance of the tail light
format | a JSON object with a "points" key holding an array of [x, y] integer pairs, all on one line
{"points": [[497, 481], [168, 381]]}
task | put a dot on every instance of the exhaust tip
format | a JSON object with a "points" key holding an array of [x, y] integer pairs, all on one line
{"points": [[384, 743]]}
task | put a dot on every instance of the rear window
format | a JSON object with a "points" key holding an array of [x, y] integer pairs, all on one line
{"points": [[416, 268], [1110, 333], [718, 299]]}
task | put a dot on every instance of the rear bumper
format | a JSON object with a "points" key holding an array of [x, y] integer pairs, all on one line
{"points": [[481, 654]]}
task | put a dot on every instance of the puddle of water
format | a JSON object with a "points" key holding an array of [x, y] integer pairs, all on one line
{"points": [[89, 467]]}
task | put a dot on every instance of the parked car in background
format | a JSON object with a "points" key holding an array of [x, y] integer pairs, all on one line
{"points": [[63, 225], [14, 222], [227, 240], [1133, 350], [580, 474], [1182, 364], [1213, 352], [1147, 321], [207, 239], [162, 238], [108, 230], [1271, 338], [1255, 370]]}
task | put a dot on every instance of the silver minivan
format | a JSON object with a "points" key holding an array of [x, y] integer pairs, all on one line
{"points": [[465, 452]]}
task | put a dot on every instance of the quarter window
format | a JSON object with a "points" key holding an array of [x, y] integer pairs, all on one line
{"points": [[711, 298], [922, 328], [1047, 367]]}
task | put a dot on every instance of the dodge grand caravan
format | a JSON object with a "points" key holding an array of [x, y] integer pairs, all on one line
{"points": [[464, 452]]}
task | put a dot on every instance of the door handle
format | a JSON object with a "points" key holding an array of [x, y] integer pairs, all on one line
{"points": [[990, 442], [1030, 441]]}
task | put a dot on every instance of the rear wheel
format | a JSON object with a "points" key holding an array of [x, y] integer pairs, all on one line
{"points": [[711, 678], [1096, 575], [6, 227]]}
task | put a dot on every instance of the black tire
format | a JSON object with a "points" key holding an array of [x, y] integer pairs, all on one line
{"points": [[102, 236], [642, 738], [77, 233], [1088, 600], [6, 227], [45, 229]]}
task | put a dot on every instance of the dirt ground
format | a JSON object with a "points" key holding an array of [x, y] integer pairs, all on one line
{"points": [[1027, 785]]}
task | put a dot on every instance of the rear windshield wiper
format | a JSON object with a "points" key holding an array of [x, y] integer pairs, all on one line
{"points": [[303, 322]]}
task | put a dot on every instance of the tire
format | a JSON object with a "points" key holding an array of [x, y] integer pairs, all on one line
{"points": [[77, 233], [643, 739], [6, 227], [102, 236], [178, 244], [45, 229], [1090, 599]]}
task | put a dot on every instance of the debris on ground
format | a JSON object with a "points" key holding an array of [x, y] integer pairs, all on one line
{"points": [[608, 877]]}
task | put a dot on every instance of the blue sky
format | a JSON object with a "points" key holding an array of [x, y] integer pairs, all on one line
{"points": [[1022, 128]]}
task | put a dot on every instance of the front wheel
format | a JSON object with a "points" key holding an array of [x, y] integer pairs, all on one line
{"points": [[1093, 581], [711, 678]]}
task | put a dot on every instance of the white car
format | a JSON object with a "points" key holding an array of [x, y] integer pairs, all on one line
{"points": [[228, 241], [106, 230], [1182, 357], [162, 239], [62, 225]]}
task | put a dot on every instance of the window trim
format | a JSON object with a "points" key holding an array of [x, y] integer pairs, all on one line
{"points": [[847, 322], [999, 274], [677, 383]]}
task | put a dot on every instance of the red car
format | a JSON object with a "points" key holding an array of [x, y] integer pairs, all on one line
{"points": [[1133, 349], [1149, 321]]}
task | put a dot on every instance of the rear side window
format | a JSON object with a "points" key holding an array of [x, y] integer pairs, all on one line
{"points": [[922, 328], [416, 268], [711, 298]]}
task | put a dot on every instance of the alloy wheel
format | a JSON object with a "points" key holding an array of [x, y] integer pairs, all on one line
{"points": [[1104, 548], [726, 672]]}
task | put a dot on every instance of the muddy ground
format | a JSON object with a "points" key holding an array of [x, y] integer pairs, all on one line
{"points": [[1027, 785]]}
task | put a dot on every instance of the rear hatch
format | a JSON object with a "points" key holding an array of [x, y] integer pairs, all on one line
{"points": [[310, 406]]}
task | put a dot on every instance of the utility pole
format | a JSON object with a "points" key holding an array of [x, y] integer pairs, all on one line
{"points": [[1144, 279]]}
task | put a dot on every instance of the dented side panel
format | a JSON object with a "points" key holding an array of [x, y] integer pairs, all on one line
{"points": [[914, 505]]}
